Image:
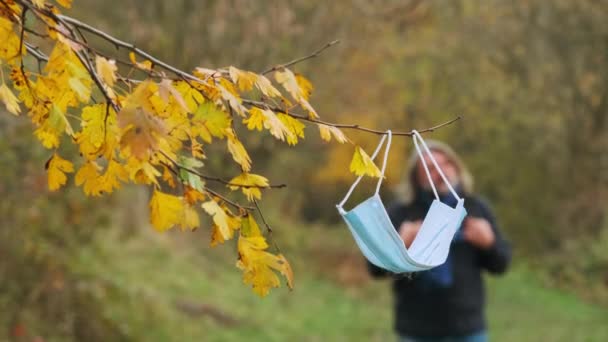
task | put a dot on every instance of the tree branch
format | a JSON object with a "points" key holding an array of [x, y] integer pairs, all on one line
{"points": [[223, 198], [266, 225], [35, 51], [217, 179], [119, 43], [263, 105], [69, 21], [301, 59], [214, 193]]}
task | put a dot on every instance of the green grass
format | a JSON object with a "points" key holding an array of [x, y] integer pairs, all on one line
{"points": [[140, 280]]}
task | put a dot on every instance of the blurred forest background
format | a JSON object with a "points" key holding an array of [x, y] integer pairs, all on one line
{"points": [[530, 78]]}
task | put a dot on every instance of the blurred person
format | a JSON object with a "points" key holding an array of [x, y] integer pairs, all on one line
{"points": [[446, 303]]}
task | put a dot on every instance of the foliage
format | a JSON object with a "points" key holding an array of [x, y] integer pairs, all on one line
{"points": [[146, 122]]}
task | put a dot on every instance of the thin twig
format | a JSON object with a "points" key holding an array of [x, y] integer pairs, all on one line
{"points": [[223, 198], [37, 34], [35, 51], [212, 192], [301, 59], [119, 43], [217, 179], [97, 81], [266, 225], [262, 216]]}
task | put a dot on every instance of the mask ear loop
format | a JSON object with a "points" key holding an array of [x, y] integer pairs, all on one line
{"points": [[416, 136], [426, 168], [352, 188], [386, 150]]}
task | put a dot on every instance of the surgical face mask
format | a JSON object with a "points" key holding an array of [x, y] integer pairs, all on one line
{"points": [[376, 236]]}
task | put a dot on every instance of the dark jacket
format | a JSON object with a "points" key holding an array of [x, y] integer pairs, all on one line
{"points": [[458, 309]]}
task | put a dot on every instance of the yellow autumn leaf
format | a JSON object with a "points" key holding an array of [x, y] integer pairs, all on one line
{"points": [[294, 127], [99, 132], [285, 269], [192, 196], [95, 183], [223, 219], [168, 177], [106, 70], [67, 82], [145, 96], [255, 120], [166, 210], [65, 3], [244, 79], [190, 219], [362, 164], [327, 132], [141, 132], [238, 152], [10, 100], [288, 80], [20, 83], [260, 277], [141, 171], [39, 3], [57, 167], [145, 65], [250, 184], [258, 265], [192, 97], [305, 86], [216, 236], [274, 125], [228, 93], [250, 227], [338, 135], [110, 180], [88, 176], [266, 86], [165, 87], [53, 127], [10, 47], [82, 90], [210, 121], [269, 120]]}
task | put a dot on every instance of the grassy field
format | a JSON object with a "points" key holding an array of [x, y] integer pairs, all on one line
{"points": [[173, 288]]}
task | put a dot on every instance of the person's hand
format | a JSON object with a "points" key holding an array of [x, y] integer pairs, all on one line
{"points": [[408, 231], [478, 232]]}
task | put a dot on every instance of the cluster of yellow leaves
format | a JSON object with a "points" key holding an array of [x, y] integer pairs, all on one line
{"points": [[167, 211], [57, 167], [224, 222], [250, 184], [258, 265], [156, 131]]}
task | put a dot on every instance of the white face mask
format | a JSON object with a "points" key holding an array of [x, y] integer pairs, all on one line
{"points": [[379, 241]]}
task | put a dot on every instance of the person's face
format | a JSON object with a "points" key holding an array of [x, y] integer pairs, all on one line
{"points": [[446, 165]]}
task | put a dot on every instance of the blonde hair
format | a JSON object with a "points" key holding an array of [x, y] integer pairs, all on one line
{"points": [[406, 190]]}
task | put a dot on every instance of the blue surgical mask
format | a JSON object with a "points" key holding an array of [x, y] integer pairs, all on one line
{"points": [[376, 236]]}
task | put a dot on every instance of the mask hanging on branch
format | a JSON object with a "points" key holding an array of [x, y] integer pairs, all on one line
{"points": [[376, 236]]}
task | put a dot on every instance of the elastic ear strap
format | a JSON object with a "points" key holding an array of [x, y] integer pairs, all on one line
{"points": [[428, 151], [352, 187], [426, 168], [386, 150]]}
